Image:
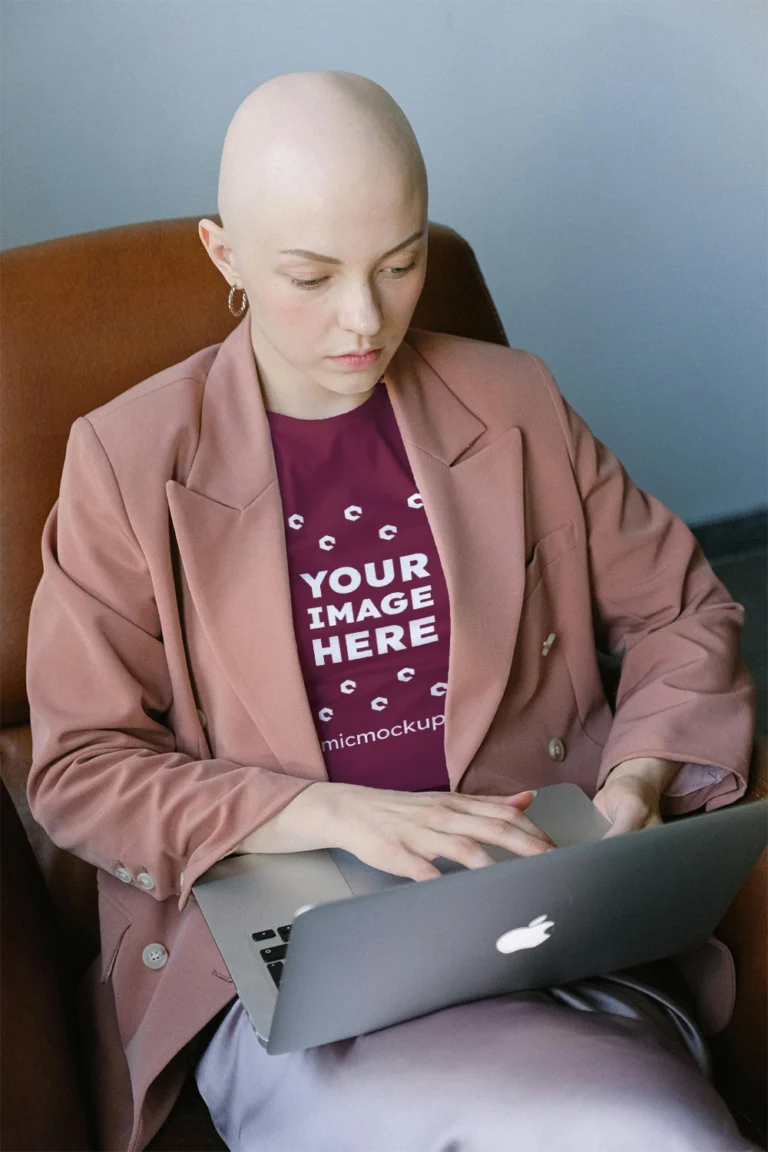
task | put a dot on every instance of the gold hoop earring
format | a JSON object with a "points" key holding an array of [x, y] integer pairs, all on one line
{"points": [[244, 303]]}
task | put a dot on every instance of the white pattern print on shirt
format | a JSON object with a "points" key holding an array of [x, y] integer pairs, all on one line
{"points": [[345, 580]]}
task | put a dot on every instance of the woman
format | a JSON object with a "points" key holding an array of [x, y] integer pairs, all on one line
{"points": [[240, 643]]}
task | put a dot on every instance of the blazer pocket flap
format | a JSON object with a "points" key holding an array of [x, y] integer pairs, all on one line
{"points": [[546, 550], [113, 925]]}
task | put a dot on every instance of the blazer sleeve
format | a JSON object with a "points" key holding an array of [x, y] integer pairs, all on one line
{"points": [[684, 693], [106, 781]]}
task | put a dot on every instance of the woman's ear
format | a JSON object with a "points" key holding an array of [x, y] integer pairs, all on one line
{"points": [[214, 240]]}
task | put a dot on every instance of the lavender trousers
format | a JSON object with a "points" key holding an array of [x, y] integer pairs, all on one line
{"points": [[609, 1064]]}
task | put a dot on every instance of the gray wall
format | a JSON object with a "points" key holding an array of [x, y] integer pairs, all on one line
{"points": [[606, 160]]}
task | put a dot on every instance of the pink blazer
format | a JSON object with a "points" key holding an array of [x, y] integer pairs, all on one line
{"points": [[168, 711]]}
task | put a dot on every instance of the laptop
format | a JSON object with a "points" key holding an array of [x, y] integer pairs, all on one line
{"points": [[322, 947]]}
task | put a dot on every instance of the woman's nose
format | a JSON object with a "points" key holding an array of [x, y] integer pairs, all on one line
{"points": [[360, 311]]}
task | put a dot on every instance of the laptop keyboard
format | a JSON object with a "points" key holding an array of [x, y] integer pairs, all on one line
{"points": [[274, 954]]}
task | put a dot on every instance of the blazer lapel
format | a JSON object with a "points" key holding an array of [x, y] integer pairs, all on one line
{"points": [[229, 526]]}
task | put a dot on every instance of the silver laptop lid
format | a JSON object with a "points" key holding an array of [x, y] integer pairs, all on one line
{"points": [[241, 895], [358, 965]]}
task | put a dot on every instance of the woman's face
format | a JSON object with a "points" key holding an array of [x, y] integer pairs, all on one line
{"points": [[306, 310]]}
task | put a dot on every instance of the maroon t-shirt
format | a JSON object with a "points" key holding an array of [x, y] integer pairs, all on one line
{"points": [[370, 604]]}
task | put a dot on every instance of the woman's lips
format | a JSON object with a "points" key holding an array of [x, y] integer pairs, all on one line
{"points": [[358, 361]]}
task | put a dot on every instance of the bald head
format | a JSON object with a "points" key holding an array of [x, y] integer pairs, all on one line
{"points": [[314, 142], [324, 206]]}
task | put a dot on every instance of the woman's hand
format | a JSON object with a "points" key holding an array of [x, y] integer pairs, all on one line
{"points": [[400, 832], [629, 801]]}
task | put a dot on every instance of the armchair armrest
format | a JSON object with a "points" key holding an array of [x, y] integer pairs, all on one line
{"points": [[42, 1099], [740, 1051], [758, 772]]}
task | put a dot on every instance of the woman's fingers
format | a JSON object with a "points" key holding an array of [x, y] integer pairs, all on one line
{"points": [[520, 800], [499, 830], [490, 809], [404, 832], [412, 865], [463, 849], [630, 813]]}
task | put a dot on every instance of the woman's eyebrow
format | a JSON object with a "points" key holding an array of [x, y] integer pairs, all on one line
{"points": [[332, 259]]}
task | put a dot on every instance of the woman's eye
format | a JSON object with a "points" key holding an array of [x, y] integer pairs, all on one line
{"points": [[407, 268], [310, 284], [306, 283]]}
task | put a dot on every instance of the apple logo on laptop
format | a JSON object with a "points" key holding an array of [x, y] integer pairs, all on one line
{"points": [[530, 936]]}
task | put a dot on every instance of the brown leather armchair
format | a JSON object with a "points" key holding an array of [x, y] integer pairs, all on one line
{"points": [[83, 319]]}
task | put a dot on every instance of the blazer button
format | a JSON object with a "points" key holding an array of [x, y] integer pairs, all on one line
{"points": [[155, 956], [548, 644], [203, 718], [124, 874], [145, 881], [557, 750]]}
